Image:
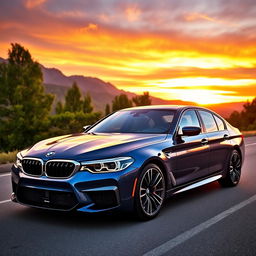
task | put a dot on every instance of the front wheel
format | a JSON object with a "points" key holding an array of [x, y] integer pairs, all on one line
{"points": [[150, 192], [233, 172]]}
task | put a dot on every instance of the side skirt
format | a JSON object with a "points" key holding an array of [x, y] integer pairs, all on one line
{"points": [[194, 184]]}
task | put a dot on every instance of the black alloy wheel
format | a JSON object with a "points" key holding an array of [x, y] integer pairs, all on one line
{"points": [[233, 173], [150, 192]]}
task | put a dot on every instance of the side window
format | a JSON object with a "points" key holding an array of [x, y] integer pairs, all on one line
{"points": [[189, 118], [208, 121], [220, 123]]}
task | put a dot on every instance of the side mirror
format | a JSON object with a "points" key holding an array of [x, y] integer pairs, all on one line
{"points": [[86, 128], [191, 131]]}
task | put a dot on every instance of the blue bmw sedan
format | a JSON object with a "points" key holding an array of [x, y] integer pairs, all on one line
{"points": [[132, 160]]}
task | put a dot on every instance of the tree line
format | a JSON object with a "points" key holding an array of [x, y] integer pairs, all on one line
{"points": [[25, 108], [246, 119]]}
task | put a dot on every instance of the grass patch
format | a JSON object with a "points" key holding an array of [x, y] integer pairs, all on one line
{"points": [[9, 157], [249, 133]]}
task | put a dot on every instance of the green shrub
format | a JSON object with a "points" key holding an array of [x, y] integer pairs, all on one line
{"points": [[9, 157], [65, 123]]}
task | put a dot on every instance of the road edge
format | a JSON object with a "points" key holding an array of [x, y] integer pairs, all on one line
{"points": [[5, 168]]}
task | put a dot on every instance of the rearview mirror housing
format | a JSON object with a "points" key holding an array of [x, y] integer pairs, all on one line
{"points": [[190, 131]]}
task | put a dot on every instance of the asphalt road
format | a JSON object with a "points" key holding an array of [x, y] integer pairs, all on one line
{"points": [[208, 220]]}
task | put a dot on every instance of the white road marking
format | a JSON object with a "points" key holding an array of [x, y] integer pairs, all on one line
{"points": [[4, 175], [250, 144], [5, 201], [169, 245]]}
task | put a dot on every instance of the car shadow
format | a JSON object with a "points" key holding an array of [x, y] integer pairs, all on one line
{"points": [[78, 219]]}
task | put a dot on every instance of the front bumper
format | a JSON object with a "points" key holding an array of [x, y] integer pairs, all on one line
{"points": [[84, 191]]}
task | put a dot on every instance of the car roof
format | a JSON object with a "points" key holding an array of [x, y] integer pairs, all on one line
{"points": [[165, 107]]}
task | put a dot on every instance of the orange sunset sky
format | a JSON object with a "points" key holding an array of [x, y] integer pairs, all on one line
{"points": [[194, 50]]}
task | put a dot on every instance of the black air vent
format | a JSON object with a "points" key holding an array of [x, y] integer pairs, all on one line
{"points": [[46, 198]]}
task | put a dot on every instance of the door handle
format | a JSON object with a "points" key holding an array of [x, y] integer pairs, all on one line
{"points": [[226, 136], [204, 141]]}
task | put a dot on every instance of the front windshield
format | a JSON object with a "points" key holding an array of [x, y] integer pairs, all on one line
{"points": [[136, 121]]}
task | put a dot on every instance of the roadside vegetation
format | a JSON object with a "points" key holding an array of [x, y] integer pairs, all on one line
{"points": [[9, 157], [246, 119], [249, 133]]}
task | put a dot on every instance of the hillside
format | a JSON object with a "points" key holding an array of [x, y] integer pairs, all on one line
{"points": [[101, 92], [225, 109]]}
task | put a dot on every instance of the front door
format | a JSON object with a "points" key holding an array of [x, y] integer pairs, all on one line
{"points": [[191, 153]]}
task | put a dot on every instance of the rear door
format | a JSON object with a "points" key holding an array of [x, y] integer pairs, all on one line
{"points": [[191, 152], [218, 139]]}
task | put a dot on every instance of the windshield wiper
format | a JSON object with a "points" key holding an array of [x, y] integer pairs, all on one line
{"points": [[91, 133]]}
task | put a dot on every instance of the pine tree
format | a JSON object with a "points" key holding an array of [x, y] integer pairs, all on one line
{"points": [[87, 103], [107, 110], [121, 102], [73, 102], [59, 107], [24, 106], [142, 100]]}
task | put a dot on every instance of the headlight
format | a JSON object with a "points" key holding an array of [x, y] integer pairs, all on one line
{"points": [[18, 161], [107, 165]]}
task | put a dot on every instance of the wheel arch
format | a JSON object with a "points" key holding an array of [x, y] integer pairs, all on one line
{"points": [[161, 164], [236, 147]]}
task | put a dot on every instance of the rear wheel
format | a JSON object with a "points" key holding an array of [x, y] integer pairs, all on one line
{"points": [[233, 172], [150, 192]]}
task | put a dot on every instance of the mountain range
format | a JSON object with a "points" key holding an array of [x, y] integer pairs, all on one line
{"points": [[103, 93]]}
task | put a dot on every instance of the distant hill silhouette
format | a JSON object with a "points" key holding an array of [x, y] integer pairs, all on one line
{"points": [[101, 92], [57, 83], [225, 109]]}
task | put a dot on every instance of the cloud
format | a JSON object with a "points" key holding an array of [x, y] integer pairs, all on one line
{"points": [[177, 72], [34, 3], [198, 16], [192, 17], [138, 45], [132, 13], [90, 27]]}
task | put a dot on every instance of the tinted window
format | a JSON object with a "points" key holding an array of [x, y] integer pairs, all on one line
{"points": [[136, 121], [189, 118], [220, 123], [208, 121]]}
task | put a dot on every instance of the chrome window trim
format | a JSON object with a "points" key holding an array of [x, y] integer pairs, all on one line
{"points": [[77, 167], [33, 158], [224, 123]]}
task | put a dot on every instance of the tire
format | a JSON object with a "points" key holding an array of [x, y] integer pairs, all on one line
{"points": [[233, 170], [150, 192]]}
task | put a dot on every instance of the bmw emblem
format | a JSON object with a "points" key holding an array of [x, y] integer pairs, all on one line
{"points": [[51, 153]]}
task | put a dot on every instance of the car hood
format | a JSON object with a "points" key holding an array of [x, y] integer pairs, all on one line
{"points": [[84, 146]]}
